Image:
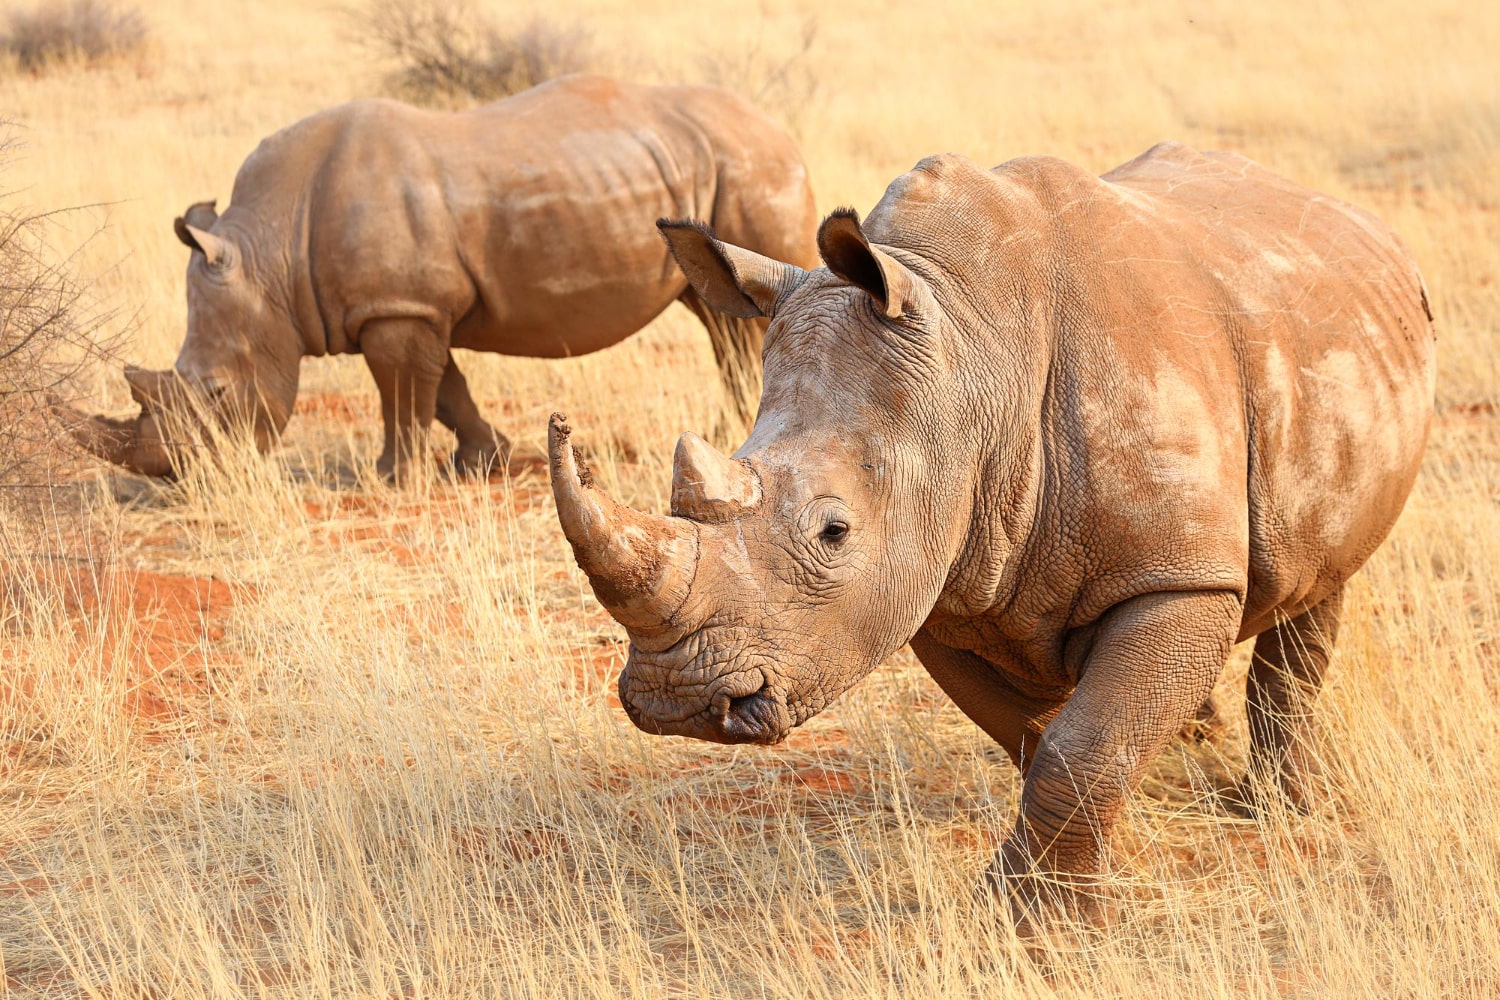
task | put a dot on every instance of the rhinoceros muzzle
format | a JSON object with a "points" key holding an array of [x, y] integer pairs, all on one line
{"points": [[151, 442], [752, 718], [678, 693], [643, 569]]}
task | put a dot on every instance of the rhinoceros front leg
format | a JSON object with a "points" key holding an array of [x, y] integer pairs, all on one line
{"points": [[481, 448], [1285, 677], [1010, 718], [1153, 661], [407, 358]]}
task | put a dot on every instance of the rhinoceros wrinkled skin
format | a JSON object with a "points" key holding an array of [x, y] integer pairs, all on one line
{"points": [[523, 227], [1072, 437]]}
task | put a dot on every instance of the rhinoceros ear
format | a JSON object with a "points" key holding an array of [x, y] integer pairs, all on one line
{"points": [[218, 251], [848, 254], [730, 279], [200, 215]]}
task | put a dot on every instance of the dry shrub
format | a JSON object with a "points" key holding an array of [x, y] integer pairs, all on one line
{"points": [[50, 332], [773, 72], [89, 32], [448, 53]]}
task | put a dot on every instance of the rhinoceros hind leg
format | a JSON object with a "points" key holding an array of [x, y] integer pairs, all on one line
{"points": [[1285, 677], [478, 460], [407, 359], [1205, 725], [481, 449]]}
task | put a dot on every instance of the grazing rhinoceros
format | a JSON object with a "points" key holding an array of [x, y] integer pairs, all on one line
{"points": [[1071, 437], [522, 227]]}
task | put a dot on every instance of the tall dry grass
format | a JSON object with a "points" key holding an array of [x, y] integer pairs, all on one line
{"points": [[308, 735]]}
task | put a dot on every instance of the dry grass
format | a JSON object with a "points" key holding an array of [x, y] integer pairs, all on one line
{"points": [[302, 734], [72, 32]]}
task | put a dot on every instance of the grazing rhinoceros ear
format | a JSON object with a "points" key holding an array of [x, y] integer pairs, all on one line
{"points": [[200, 215], [218, 251], [192, 228], [729, 278], [848, 254]]}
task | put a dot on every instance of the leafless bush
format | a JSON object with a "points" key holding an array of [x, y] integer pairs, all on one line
{"points": [[72, 31], [449, 53], [775, 73], [49, 333]]}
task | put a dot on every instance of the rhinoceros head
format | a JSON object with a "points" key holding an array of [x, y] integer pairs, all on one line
{"points": [[237, 366], [786, 572]]}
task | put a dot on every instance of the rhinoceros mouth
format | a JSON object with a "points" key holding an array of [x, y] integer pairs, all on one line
{"points": [[739, 707], [754, 718]]}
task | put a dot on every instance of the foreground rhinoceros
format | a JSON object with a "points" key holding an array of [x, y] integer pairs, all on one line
{"points": [[1070, 437], [522, 227]]}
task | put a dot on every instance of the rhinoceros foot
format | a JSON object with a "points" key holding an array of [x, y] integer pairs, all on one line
{"points": [[1043, 901], [477, 459]]}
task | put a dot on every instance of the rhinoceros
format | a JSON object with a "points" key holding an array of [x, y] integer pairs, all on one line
{"points": [[522, 227], [1071, 437]]}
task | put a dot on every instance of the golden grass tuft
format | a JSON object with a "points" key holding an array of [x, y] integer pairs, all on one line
{"points": [[292, 732]]}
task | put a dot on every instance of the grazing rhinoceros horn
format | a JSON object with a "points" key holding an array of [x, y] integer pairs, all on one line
{"points": [[135, 444], [640, 565], [154, 390]]}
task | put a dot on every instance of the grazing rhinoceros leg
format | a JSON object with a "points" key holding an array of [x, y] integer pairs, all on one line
{"points": [[481, 448], [1153, 661], [737, 345], [1012, 719], [407, 358], [1285, 676]]}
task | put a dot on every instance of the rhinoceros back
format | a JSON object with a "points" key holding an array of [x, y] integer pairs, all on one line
{"points": [[1328, 321], [1233, 375], [527, 225]]}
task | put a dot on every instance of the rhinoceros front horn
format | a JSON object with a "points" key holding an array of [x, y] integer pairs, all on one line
{"points": [[641, 566], [708, 485], [134, 444]]}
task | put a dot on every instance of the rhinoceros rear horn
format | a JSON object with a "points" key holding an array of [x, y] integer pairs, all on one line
{"points": [[641, 566], [152, 389], [730, 279], [708, 485], [847, 252]]}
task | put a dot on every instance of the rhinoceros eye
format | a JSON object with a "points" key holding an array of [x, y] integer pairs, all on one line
{"points": [[835, 532]]}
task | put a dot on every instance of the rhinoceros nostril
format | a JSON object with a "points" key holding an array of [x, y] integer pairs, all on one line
{"points": [[747, 704], [749, 717], [725, 704]]}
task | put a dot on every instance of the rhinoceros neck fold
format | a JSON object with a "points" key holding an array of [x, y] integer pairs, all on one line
{"points": [[302, 296], [273, 234], [998, 438]]}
